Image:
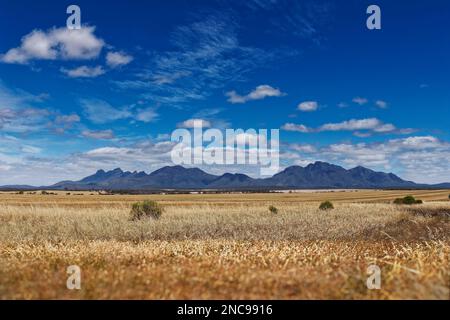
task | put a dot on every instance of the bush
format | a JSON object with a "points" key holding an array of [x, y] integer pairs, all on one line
{"points": [[326, 205], [273, 209], [146, 209], [407, 200]]}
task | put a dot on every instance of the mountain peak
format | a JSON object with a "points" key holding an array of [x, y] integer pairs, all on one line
{"points": [[315, 175]]}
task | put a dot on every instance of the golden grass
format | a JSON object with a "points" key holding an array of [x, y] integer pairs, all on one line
{"points": [[93, 199], [230, 249]]}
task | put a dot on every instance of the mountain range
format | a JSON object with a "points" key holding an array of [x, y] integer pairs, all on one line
{"points": [[314, 176]]}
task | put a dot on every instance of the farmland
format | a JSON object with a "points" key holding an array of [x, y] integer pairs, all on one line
{"points": [[225, 246]]}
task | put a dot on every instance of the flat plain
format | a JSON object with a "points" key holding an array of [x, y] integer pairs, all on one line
{"points": [[226, 246]]}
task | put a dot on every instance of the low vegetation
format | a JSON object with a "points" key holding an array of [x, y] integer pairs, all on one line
{"points": [[146, 209], [326, 205], [409, 200], [273, 209]]}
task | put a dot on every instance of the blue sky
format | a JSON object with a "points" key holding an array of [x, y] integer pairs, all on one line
{"points": [[111, 94]]}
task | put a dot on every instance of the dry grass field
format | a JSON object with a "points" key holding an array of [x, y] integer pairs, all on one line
{"points": [[225, 246]]}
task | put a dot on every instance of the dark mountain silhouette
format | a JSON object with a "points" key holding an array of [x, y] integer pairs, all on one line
{"points": [[325, 175], [316, 175]]}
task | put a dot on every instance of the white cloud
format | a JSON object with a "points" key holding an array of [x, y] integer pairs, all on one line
{"points": [[84, 72], [360, 101], [296, 127], [117, 59], [418, 142], [308, 106], [381, 104], [146, 115], [418, 158], [354, 124], [99, 111], [306, 148], [30, 149], [422, 159], [18, 113], [56, 43], [371, 124], [385, 128], [64, 119], [99, 134], [260, 92], [191, 123]]}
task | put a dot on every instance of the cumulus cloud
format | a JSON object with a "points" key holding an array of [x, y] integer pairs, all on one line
{"points": [[144, 155], [306, 148], [361, 101], [146, 115], [117, 59], [64, 119], [84, 72], [308, 106], [296, 127], [358, 124], [99, 134], [64, 122], [418, 158], [56, 43], [260, 92], [370, 124], [418, 143], [423, 159], [191, 123], [381, 104]]}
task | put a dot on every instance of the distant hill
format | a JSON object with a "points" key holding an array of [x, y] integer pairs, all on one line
{"points": [[314, 176], [17, 187]]}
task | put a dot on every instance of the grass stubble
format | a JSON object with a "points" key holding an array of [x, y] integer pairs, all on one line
{"points": [[200, 250]]}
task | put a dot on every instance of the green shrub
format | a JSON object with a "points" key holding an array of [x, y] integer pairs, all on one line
{"points": [[407, 200], [326, 205], [146, 209], [273, 209]]}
